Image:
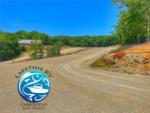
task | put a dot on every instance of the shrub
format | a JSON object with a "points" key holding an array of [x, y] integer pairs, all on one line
{"points": [[53, 51], [38, 51]]}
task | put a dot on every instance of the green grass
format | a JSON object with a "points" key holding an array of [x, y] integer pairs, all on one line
{"points": [[99, 64]]}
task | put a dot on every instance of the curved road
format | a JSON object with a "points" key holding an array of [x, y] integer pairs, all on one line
{"points": [[76, 88]]}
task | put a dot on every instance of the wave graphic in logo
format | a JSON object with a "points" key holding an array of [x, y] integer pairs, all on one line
{"points": [[34, 86]]}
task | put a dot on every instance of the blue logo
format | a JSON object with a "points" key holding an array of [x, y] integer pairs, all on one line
{"points": [[34, 86]]}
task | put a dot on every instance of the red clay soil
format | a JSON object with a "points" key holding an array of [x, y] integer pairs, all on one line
{"points": [[142, 49], [135, 59]]}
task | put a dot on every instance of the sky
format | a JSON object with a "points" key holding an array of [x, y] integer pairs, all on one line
{"points": [[59, 17]]}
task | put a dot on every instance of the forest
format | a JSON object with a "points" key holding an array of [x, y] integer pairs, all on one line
{"points": [[133, 26], [10, 48]]}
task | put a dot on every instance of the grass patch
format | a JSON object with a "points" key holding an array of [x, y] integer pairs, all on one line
{"points": [[100, 64], [105, 62]]}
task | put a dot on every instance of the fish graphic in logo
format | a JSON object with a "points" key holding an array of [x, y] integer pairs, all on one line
{"points": [[34, 86]]}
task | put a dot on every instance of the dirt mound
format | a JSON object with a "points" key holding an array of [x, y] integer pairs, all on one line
{"points": [[132, 60]]}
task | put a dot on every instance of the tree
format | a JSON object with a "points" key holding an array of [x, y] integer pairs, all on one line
{"points": [[132, 27], [53, 51], [37, 51], [8, 48]]}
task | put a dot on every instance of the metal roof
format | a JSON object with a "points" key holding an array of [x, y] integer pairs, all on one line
{"points": [[28, 41]]}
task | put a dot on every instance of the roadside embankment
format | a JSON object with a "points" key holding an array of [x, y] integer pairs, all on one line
{"points": [[132, 60]]}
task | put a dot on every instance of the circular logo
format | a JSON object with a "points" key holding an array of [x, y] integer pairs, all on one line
{"points": [[34, 86]]}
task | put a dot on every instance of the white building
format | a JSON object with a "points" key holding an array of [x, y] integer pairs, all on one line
{"points": [[27, 42]]}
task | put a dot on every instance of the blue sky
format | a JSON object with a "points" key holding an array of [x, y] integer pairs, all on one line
{"points": [[59, 17]]}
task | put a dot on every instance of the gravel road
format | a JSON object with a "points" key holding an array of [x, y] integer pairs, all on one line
{"points": [[76, 88]]}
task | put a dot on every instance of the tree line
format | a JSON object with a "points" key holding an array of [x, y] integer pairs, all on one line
{"points": [[84, 41], [134, 21], [9, 47]]}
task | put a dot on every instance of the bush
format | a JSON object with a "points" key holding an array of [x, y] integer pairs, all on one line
{"points": [[53, 51], [36, 55], [38, 51], [9, 50]]}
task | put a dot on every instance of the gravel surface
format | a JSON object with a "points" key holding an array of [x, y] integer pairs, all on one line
{"points": [[76, 88]]}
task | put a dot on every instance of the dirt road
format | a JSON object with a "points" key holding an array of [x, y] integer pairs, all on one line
{"points": [[76, 88]]}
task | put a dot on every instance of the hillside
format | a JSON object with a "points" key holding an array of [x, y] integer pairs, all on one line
{"points": [[25, 56], [132, 60]]}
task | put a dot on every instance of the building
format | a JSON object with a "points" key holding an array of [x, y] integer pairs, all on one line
{"points": [[27, 42]]}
